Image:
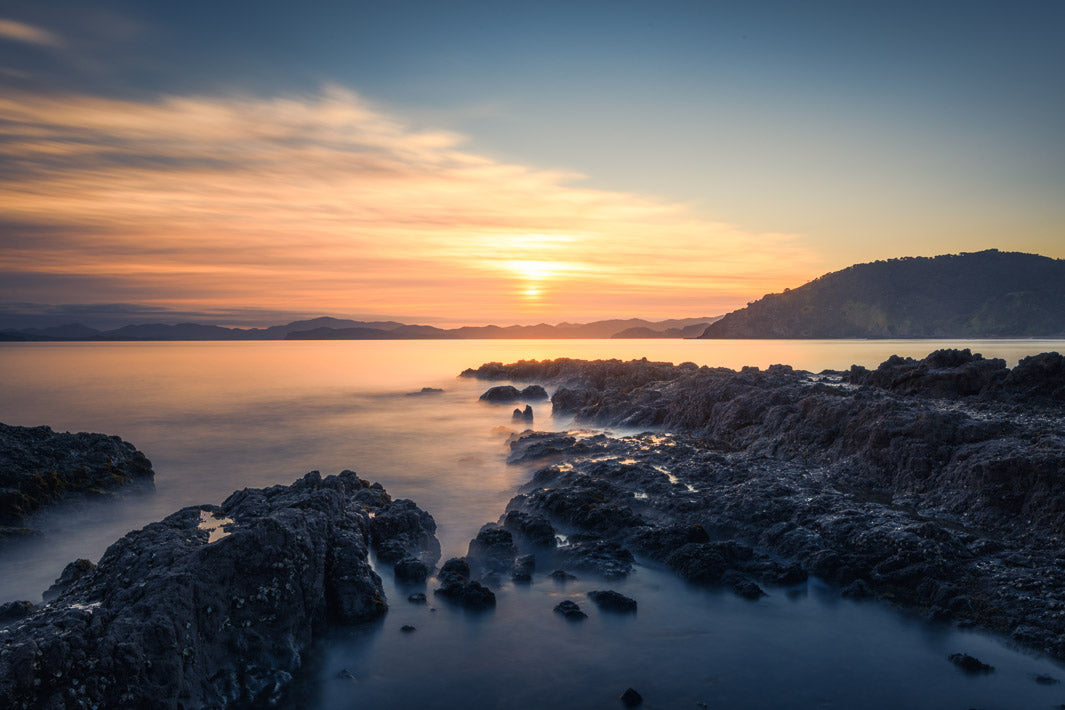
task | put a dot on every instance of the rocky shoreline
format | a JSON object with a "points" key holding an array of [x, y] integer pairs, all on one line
{"points": [[39, 466], [937, 485], [214, 606]]}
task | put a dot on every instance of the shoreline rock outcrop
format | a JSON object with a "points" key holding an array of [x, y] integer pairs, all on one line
{"points": [[39, 466], [934, 484], [212, 606]]}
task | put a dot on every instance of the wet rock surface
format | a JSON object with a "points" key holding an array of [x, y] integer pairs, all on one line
{"points": [[211, 607], [570, 609], [39, 466], [936, 484], [456, 585], [610, 600], [969, 664]]}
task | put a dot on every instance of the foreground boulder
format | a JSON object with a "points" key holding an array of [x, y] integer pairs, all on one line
{"points": [[39, 466], [211, 607]]}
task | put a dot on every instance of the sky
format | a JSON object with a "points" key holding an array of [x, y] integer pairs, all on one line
{"points": [[245, 163]]}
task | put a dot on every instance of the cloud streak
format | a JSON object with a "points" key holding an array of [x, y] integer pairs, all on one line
{"points": [[325, 203], [29, 34]]}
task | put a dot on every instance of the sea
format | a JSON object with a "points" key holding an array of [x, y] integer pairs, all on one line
{"points": [[214, 417]]}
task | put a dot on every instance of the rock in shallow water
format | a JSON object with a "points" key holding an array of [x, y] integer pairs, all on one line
{"points": [[936, 484], [610, 600], [456, 585], [970, 664], [39, 466], [170, 618], [570, 610]]}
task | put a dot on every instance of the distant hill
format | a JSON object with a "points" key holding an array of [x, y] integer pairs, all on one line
{"points": [[987, 294], [326, 328], [597, 329], [690, 331]]}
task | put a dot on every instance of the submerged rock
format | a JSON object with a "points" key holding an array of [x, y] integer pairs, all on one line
{"points": [[411, 570], [502, 394], [38, 466], [630, 698], [425, 391], [610, 600], [525, 415], [493, 549], [534, 393], [456, 585], [570, 610], [969, 664], [523, 568], [201, 611]]}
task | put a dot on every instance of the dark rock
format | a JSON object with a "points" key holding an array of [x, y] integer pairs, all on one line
{"points": [[534, 529], [502, 394], [630, 698], [560, 575], [455, 584], [606, 558], [525, 415], [534, 393], [933, 483], [39, 466], [411, 570], [493, 549], [345, 674], [406, 628], [610, 600], [746, 588], [425, 391], [570, 610], [417, 598], [858, 589], [71, 574], [400, 529], [173, 615], [523, 568], [1046, 680], [969, 664], [13, 611]]}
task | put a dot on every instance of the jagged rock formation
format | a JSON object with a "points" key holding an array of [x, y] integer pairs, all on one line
{"points": [[984, 294], [214, 605], [39, 466], [938, 484]]}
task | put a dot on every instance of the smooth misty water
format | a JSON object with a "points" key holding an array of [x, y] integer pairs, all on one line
{"points": [[214, 417]]}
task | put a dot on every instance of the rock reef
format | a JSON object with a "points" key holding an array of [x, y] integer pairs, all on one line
{"points": [[39, 466], [936, 484], [213, 606]]}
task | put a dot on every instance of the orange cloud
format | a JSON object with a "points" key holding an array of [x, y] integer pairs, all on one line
{"points": [[22, 32], [326, 204]]}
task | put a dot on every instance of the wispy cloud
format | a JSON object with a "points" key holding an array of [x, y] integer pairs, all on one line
{"points": [[325, 202], [30, 34]]}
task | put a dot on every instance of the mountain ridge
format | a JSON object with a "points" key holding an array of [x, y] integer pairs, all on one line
{"points": [[329, 328], [985, 294]]}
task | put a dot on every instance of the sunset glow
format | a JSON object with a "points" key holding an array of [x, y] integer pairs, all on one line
{"points": [[498, 163], [323, 203]]}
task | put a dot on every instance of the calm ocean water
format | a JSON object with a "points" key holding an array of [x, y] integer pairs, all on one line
{"points": [[215, 417]]}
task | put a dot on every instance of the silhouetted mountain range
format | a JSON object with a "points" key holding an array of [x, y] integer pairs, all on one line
{"points": [[987, 294], [327, 328]]}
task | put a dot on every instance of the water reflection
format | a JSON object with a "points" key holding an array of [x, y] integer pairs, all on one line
{"points": [[215, 417]]}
